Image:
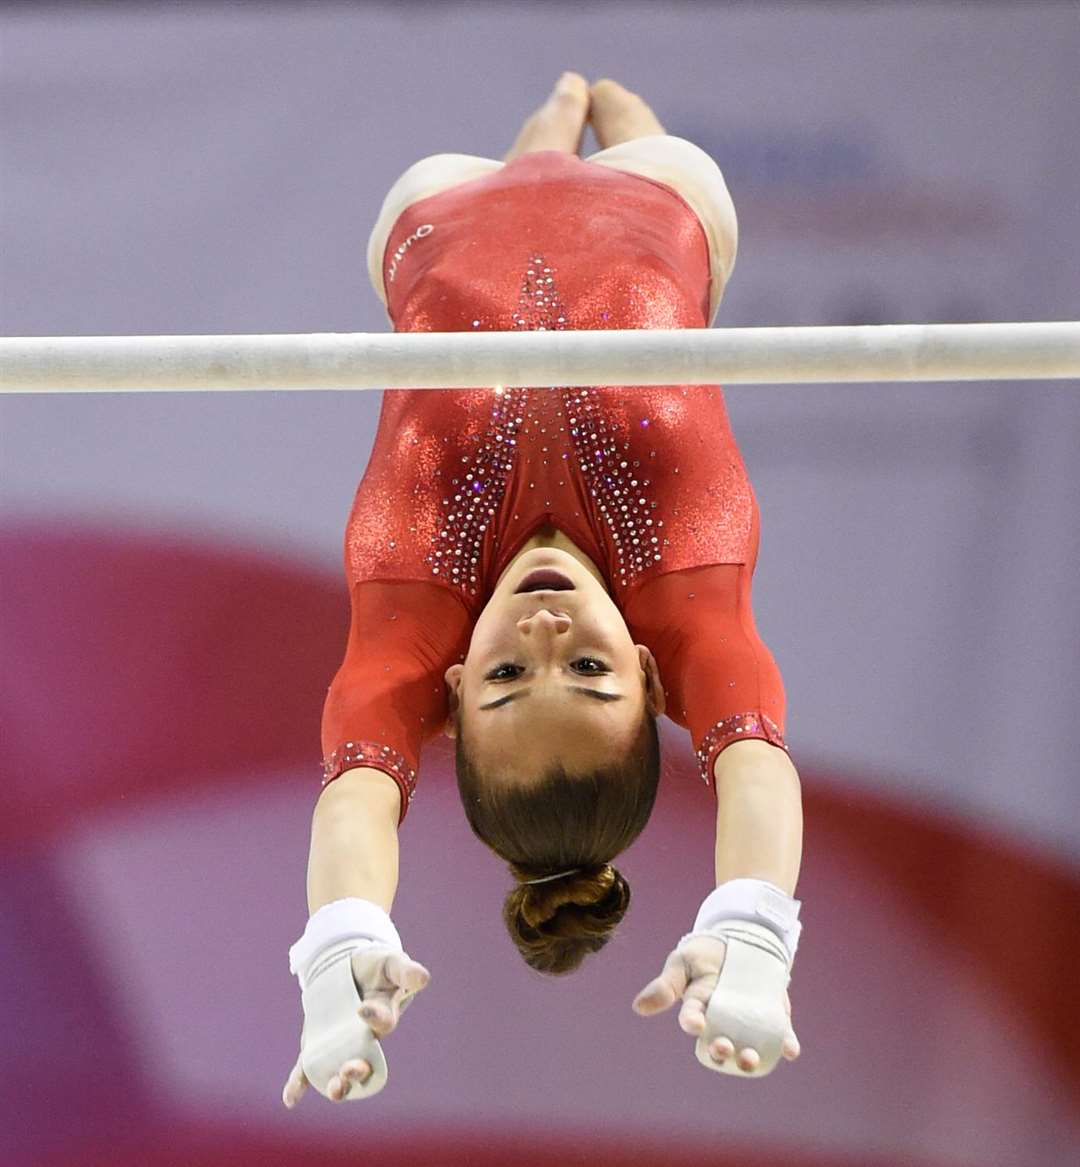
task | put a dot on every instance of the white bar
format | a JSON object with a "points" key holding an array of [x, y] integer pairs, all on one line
{"points": [[460, 360]]}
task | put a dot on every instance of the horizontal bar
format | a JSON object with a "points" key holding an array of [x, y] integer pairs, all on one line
{"points": [[462, 360]]}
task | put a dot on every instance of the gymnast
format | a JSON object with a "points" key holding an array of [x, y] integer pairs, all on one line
{"points": [[540, 574]]}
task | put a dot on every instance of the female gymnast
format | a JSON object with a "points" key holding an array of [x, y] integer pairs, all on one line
{"points": [[540, 574]]}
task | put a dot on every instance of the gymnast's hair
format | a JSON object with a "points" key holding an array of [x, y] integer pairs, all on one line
{"points": [[559, 822]]}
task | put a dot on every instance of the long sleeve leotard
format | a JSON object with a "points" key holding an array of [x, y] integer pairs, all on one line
{"points": [[647, 481]]}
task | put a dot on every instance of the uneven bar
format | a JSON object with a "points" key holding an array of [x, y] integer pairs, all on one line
{"points": [[461, 360]]}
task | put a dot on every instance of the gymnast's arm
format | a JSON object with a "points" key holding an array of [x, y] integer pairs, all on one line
{"points": [[384, 694], [387, 697], [759, 825], [354, 840], [741, 1027], [722, 683]]}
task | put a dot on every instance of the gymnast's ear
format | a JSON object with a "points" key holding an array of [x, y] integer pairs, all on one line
{"points": [[654, 688], [452, 676]]}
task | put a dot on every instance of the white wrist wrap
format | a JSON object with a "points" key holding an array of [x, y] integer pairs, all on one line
{"points": [[347, 919], [757, 902]]}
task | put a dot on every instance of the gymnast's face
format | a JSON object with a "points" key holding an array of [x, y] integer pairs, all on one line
{"points": [[551, 674]]}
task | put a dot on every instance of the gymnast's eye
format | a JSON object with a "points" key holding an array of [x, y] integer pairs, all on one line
{"points": [[496, 674]]}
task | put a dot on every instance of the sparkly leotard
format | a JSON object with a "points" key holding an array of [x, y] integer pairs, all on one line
{"points": [[647, 481]]}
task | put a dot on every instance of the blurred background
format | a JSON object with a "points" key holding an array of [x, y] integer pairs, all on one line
{"points": [[174, 605]]}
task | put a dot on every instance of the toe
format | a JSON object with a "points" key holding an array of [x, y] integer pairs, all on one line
{"points": [[572, 88]]}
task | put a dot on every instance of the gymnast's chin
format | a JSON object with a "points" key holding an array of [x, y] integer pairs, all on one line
{"points": [[553, 714]]}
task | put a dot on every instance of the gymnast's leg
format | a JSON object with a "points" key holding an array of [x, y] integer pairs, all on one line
{"points": [[559, 124], [619, 115]]}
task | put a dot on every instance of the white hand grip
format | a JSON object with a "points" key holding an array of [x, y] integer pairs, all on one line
{"points": [[334, 1032], [747, 1005]]}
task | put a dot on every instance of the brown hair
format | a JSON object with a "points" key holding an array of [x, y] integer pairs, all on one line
{"points": [[559, 822]]}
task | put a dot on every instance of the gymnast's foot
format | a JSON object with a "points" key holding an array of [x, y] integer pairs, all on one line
{"points": [[559, 124], [618, 115]]}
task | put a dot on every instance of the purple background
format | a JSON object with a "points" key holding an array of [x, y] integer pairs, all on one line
{"points": [[173, 602]]}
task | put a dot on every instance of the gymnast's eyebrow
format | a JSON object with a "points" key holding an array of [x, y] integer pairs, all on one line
{"points": [[595, 694]]}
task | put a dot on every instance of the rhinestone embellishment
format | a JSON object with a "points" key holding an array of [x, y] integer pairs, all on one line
{"points": [[604, 458], [723, 733], [376, 756], [613, 481]]}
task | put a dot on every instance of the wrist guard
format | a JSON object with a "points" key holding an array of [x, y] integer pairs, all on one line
{"points": [[759, 926], [334, 1032]]}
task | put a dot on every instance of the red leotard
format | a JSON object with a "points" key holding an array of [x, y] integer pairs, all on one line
{"points": [[647, 481]]}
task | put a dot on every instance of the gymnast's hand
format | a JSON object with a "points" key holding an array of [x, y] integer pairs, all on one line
{"points": [[387, 982], [692, 973]]}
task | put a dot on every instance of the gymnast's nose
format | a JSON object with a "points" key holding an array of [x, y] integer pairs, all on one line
{"points": [[545, 625]]}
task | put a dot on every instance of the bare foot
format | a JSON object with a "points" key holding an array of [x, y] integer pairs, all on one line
{"points": [[618, 115], [559, 124]]}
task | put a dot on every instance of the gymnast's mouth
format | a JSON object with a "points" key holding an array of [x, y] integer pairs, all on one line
{"points": [[545, 579]]}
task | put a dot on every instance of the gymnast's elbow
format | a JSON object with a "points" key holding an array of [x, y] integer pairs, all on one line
{"points": [[361, 792]]}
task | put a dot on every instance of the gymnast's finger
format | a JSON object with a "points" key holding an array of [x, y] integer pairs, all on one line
{"points": [[295, 1086], [355, 1072], [379, 1016], [408, 974], [358, 1071], [695, 1002], [691, 1017], [721, 1049], [790, 1048], [663, 991], [381, 1011]]}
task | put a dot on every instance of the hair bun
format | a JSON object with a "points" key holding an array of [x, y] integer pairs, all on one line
{"points": [[556, 925]]}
